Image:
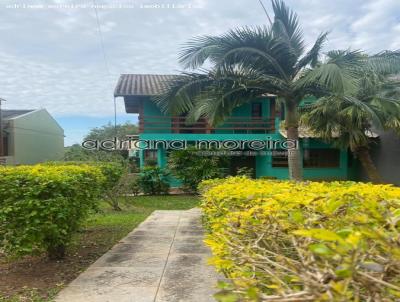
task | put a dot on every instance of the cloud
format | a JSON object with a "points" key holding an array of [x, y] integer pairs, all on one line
{"points": [[62, 89], [51, 57], [378, 25]]}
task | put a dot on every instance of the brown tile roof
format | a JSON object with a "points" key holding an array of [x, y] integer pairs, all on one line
{"points": [[142, 84]]}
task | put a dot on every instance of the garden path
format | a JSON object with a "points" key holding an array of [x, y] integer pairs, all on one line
{"points": [[162, 260]]}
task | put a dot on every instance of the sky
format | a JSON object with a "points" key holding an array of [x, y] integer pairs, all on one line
{"points": [[51, 52]]}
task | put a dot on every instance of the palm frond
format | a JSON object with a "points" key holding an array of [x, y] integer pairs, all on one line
{"points": [[344, 126], [385, 63], [312, 56], [286, 27], [231, 90], [329, 77], [339, 74], [361, 113], [178, 97], [246, 56], [197, 50]]}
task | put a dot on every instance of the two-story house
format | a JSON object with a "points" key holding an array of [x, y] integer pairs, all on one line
{"points": [[258, 120]]}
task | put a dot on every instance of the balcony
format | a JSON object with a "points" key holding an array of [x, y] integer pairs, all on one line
{"points": [[178, 124]]}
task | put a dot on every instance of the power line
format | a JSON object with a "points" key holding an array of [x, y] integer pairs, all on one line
{"points": [[36, 131], [266, 12], [1, 131], [106, 64], [103, 50]]}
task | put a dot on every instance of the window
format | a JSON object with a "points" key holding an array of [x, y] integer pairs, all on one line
{"points": [[256, 110], [150, 154], [150, 157], [279, 159], [321, 158]]}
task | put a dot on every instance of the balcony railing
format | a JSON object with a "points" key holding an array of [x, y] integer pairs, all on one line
{"points": [[178, 124]]}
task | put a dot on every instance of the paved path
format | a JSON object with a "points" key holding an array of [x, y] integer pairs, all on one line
{"points": [[162, 260]]}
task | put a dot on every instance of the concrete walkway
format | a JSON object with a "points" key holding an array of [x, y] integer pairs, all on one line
{"points": [[162, 260]]}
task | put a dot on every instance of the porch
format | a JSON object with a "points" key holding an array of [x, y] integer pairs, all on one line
{"points": [[179, 124]]}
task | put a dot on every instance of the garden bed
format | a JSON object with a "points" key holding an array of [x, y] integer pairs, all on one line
{"points": [[309, 241], [36, 278]]}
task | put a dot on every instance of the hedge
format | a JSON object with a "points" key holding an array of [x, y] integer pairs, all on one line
{"points": [[310, 241], [112, 171], [42, 205]]}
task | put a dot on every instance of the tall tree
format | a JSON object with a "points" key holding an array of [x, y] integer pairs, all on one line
{"points": [[109, 131], [102, 133], [348, 119], [249, 62]]}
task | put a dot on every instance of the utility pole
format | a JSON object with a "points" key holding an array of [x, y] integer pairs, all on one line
{"points": [[1, 130]]}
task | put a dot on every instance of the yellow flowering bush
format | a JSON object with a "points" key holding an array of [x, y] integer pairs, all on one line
{"points": [[309, 241], [42, 205]]}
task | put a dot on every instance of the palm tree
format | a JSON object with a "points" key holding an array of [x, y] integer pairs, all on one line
{"points": [[250, 62], [348, 119]]}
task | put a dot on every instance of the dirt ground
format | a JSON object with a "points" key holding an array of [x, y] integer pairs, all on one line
{"points": [[19, 278]]}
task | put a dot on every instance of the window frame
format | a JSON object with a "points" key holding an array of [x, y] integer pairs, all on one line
{"points": [[327, 159], [274, 157], [259, 110]]}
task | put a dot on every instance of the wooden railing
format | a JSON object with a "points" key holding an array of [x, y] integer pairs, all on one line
{"points": [[178, 124]]}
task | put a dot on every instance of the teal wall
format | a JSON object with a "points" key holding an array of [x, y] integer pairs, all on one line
{"points": [[245, 112], [263, 162], [264, 166], [150, 109]]}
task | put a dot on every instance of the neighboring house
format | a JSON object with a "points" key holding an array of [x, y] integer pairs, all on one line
{"points": [[31, 136], [258, 120]]}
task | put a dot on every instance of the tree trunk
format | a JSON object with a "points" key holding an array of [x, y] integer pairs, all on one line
{"points": [[56, 252], [292, 130], [368, 165], [115, 206]]}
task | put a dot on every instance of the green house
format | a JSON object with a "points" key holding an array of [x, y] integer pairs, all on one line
{"points": [[257, 121], [30, 137]]}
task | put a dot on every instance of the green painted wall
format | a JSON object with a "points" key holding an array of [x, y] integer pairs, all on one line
{"points": [[151, 109], [263, 162], [36, 137], [264, 166], [245, 112]]}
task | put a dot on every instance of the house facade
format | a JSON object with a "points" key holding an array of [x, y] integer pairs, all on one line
{"points": [[257, 121], [30, 137]]}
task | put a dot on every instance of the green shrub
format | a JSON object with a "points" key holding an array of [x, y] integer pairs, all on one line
{"points": [[191, 168], [309, 241], [135, 188], [112, 171], [153, 181], [150, 162], [42, 205], [115, 173], [116, 182], [245, 171]]}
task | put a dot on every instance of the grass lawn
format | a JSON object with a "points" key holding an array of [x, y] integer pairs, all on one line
{"points": [[37, 279]]}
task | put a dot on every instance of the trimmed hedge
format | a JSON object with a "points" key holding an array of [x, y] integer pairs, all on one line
{"points": [[42, 205], [310, 241], [112, 171]]}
